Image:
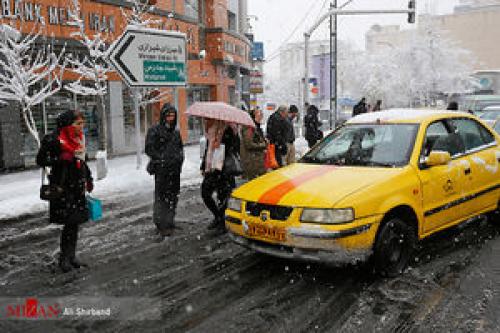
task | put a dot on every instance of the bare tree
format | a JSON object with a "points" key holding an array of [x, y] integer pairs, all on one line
{"points": [[92, 67], [139, 15], [28, 74]]}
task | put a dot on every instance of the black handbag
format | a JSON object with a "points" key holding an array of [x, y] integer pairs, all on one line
{"points": [[150, 168], [232, 166], [50, 191]]}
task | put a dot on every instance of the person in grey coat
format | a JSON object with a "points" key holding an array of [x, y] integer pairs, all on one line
{"points": [[165, 149]]}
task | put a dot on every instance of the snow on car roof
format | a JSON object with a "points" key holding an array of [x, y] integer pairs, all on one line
{"points": [[399, 115]]}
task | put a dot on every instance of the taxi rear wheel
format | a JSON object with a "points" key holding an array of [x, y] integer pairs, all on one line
{"points": [[394, 247]]}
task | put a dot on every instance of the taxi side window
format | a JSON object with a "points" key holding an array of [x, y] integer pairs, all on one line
{"points": [[473, 134], [434, 132]]}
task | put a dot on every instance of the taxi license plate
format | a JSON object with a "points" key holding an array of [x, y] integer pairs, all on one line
{"points": [[265, 231]]}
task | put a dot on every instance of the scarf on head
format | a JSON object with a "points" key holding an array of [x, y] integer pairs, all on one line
{"points": [[213, 134], [71, 142]]}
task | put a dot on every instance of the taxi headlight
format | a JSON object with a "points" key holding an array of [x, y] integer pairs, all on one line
{"points": [[234, 204], [327, 216]]}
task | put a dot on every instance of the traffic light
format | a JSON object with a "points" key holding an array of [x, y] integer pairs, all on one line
{"points": [[412, 11]]}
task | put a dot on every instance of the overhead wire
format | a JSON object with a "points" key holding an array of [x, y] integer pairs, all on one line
{"points": [[274, 55], [277, 51]]}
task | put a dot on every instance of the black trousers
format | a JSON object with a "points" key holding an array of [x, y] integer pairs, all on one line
{"points": [[167, 188], [311, 142], [220, 184], [69, 238]]}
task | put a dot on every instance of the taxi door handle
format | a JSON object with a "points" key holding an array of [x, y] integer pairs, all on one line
{"points": [[467, 171]]}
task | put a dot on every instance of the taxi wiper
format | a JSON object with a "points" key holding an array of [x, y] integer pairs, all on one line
{"points": [[310, 159], [382, 164]]}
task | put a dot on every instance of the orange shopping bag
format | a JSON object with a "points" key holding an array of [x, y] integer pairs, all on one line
{"points": [[270, 158]]}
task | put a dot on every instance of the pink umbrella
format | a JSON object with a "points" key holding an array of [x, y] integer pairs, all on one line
{"points": [[220, 111]]}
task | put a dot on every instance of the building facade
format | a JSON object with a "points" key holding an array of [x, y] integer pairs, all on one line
{"points": [[474, 25], [218, 61]]}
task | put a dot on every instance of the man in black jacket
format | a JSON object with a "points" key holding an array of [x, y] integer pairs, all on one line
{"points": [[360, 108], [276, 132], [312, 124], [165, 149]]}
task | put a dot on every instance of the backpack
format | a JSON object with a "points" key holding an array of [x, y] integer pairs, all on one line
{"points": [[49, 151]]}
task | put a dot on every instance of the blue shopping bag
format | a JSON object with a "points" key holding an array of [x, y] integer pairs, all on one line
{"points": [[95, 208]]}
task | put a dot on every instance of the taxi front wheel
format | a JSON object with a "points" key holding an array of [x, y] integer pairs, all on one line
{"points": [[494, 216], [394, 247]]}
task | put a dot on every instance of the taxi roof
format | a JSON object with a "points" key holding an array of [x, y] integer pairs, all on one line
{"points": [[413, 116]]}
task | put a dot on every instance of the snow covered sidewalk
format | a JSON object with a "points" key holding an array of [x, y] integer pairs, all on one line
{"points": [[20, 192]]}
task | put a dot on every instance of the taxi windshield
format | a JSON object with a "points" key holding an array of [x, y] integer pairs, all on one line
{"points": [[384, 145], [490, 114], [497, 126]]}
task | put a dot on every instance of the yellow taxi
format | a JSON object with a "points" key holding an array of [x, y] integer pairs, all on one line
{"points": [[372, 189], [496, 126]]}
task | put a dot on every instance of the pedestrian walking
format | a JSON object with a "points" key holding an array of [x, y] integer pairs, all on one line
{"points": [[452, 106], [276, 131], [312, 124], [253, 148], [219, 181], [360, 108], [378, 106], [293, 112], [64, 152], [166, 152]]}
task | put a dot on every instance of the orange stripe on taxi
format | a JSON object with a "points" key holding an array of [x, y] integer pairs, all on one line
{"points": [[274, 195]]}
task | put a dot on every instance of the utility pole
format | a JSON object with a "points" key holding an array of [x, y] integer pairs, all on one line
{"points": [[333, 67], [411, 12]]}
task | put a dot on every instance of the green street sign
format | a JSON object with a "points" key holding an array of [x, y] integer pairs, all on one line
{"points": [[150, 57]]}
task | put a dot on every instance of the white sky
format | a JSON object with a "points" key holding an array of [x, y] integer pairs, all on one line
{"points": [[277, 19]]}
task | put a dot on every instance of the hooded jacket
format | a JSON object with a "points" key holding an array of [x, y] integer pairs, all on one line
{"points": [[164, 145], [312, 124]]}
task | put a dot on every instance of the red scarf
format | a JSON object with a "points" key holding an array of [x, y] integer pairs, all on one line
{"points": [[70, 142]]}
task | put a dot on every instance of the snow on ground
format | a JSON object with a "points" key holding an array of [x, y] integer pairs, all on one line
{"points": [[20, 192]]}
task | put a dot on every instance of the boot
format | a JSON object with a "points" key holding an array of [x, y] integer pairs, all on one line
{"points": [[160, 238], [65, 264], [214, 224], [64, 256], [72, 249], [156, 230], [77, 263], [167, 232]]}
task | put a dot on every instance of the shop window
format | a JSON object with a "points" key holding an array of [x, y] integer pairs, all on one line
{"points": [[192, 9], [195, 125], [232, 22]]}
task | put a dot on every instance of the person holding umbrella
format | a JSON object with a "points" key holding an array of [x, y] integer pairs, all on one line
{"points": [[220, 181], [219, 169]]}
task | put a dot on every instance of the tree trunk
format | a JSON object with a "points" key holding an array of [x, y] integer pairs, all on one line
{"points": [[103, 124], [30, 123]]}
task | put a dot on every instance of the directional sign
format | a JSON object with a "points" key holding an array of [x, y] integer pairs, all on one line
{"points": [[150, 57]]}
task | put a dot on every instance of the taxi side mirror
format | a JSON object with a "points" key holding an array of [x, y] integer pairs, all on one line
{"points": [[437, 157]]}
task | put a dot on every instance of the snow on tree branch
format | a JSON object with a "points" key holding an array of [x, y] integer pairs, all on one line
{"points": [[28, 74], [139, 15], [414, 73], [93, 66]]}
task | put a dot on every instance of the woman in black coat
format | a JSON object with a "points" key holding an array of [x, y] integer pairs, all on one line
{"points": [[64, 152]]}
